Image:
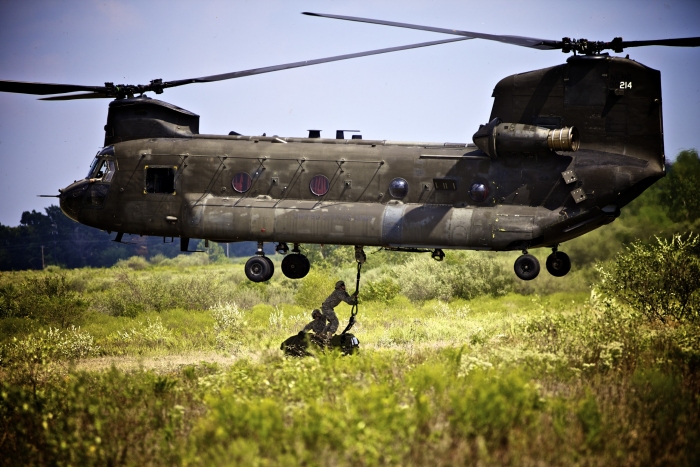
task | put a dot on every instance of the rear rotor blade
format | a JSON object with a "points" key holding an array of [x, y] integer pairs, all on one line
{"points": [[269, 69], [681, 42], [566, 44], [531, 42]]}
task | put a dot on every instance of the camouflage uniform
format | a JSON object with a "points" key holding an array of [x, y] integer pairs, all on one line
{"points": [[333, 300], [318, 325]]}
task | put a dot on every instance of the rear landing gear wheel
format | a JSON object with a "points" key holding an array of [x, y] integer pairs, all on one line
{"points": [[527, 267], [259, 269], [272, 266], [558, 264], [295, 266]]}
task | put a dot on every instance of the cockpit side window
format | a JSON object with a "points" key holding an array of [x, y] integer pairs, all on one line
{"points": [[101, 171]]}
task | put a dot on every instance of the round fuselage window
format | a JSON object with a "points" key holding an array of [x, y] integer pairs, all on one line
{"points": [[398, 188], [241, 182], [319, 185], [479, 192]]}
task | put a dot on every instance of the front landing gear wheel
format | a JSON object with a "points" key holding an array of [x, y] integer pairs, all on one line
{"points": [[558, 264], [295, 266], [527, 267], [259, 269]]}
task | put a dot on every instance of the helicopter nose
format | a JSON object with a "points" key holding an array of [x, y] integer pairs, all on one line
{"points": [[71, 198]]}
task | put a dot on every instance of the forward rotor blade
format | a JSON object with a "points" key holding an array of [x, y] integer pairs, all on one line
{"points": [[269, 69], [43, 89], [158, 86], [531, 42], [680, 42], [70, 97]]}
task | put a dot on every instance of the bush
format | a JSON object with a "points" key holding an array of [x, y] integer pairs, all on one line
{"points": [[137, 263], [314, 289], [382, 290], [461, 275], [229, 326], [131, 295], [659, 280], [49, 299], [48, 345]]}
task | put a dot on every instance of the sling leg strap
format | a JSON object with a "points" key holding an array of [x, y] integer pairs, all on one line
{"points": [[355, 307]]}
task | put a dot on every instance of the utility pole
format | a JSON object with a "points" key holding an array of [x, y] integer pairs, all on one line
{"points": [[43, 266], [227, 250]]}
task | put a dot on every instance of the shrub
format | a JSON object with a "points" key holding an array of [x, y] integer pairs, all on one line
{"points": [[228, 327], [314, 289], [137, 263], [461, 275], [382, 290], [157, 259], [48, 298], [471, 276], [131, 295], [421, 279], [150, 334], [659, 280], [50, 344]]}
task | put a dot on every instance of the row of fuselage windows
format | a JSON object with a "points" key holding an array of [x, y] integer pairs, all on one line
{"points": [[162, 180]]}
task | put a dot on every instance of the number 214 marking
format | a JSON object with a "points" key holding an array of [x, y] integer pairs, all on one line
{"points": [[625, 84]]}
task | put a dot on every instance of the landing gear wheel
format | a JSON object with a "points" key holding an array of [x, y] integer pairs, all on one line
{"points": [[558, 264], [527, 267], [438, 254], [295, 266], [272, 267], [259, 269]]}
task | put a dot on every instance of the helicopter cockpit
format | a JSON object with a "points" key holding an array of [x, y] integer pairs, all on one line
{"points": [[102, 168], [90, 192]]}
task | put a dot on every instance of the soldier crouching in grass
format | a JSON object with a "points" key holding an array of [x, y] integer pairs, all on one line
{"points": [[318, 325], [333, 300]]}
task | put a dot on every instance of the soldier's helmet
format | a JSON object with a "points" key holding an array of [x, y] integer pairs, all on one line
{"points": [[316, 314], [339, 284]]}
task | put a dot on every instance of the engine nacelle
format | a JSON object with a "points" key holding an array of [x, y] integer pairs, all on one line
{"points": [[499, 139]]}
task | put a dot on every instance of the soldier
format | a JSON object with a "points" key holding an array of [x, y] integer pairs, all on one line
{"points": [[318, 325], [333, 300]]}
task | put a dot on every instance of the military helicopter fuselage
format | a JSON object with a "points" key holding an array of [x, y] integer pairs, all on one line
{"points": [[565, 149]]}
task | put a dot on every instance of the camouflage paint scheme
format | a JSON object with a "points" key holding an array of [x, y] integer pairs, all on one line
{"points": [[535, 197]]}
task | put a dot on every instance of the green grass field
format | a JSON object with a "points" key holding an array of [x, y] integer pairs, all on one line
{"points": [[178, 362]]}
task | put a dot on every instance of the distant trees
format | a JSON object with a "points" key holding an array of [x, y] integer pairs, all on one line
{"points": [[680, 191], [65, 243]]}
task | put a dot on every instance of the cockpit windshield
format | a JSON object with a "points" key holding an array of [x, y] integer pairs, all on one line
{"points": [[102, 170], [92, 167]]}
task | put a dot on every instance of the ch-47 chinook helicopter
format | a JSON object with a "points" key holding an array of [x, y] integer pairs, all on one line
{"points": [[565, 149]]}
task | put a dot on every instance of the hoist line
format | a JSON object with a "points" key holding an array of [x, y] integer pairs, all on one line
{"points": [[355, 307]]}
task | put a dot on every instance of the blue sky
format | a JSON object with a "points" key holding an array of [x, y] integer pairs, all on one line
{"points": [[436, 94]]}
